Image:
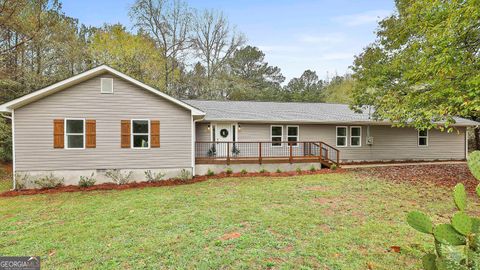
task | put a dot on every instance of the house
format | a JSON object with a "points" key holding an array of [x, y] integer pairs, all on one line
{"points": [[102, 119]]}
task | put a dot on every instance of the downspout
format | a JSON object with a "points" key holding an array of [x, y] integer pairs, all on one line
{"points": [[194, 138]]}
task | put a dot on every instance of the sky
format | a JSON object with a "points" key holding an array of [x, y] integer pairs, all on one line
{"points": [[321, 35]]}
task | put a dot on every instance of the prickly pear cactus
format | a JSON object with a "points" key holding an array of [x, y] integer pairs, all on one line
{"points": [[457, 245], [474, 164]]}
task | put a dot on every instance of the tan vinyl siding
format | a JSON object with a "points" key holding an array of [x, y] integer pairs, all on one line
{"points": [[389, 143], [202, 132], [34, 129]]}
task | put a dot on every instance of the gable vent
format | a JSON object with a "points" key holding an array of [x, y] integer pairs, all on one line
{"points": [[106, 86]]}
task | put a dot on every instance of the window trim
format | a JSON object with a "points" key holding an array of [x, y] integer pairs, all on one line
{"points": [[271, 136], [65, 136], [426, 137], [132, 134], [351, 136], [298, 134], [101, 86], [346, 136]]}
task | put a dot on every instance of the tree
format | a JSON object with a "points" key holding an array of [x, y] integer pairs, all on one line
{"points": [[306, 88], [168, 22], [135, 55], [424, 66], [249, 63], [339, 90], [214, 40]]}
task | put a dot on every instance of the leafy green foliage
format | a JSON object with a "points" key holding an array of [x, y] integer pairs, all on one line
{"points": [[457, 245], [243, 171], [118, 177], [49, 181], [229, 171], [87, 181], [424, 65], [184, 175], [5, 141], [210, 172], [154, 177]]}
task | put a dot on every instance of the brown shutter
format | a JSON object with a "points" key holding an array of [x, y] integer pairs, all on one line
{"points": [[125, 137], [58, 133], [155, 133], [91, 133]]}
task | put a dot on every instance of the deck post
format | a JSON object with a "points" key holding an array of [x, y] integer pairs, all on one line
{"points": [[259, 153], [291, 155], [320, 152], [228, 153], [338, 158]]}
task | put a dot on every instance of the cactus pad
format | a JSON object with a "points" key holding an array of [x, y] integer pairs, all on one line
{"points": [[428, 262], [462, 223], [420, 222], [446, 234], [460, 196], [474, 163]]}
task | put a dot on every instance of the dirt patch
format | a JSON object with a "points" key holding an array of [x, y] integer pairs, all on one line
{"points": [[317, 188], [170, 182], [7, 167], [230, 236], [447, 175]]}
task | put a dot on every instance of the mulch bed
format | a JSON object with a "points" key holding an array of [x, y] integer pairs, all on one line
{"points": [[447, 175], [169, 182]]}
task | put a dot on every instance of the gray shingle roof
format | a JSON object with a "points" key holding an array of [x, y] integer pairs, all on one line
{"points": [[256, 111]]}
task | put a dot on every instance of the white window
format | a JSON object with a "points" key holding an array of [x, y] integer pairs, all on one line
{"points": [[140, 134], [423, 138], [106, 85], [355, 136], [75, 133], [292, 134], [276, 133], [341, 136]]}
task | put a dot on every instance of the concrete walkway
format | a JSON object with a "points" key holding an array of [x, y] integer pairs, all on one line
{"points": [[351, 166]]}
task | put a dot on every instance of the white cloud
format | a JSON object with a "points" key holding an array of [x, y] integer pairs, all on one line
{"points": [[363, 18]]}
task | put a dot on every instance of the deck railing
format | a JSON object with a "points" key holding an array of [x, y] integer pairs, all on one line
{"points": [[265, 152]]}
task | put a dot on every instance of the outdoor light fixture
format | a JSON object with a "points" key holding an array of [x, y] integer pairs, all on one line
{"points": [[239, 127], [208, 126]]}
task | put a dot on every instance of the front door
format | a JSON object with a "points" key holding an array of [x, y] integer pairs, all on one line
{"points": [[223, 134]]}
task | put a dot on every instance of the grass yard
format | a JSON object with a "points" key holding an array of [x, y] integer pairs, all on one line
{"points": [[330, 221]]}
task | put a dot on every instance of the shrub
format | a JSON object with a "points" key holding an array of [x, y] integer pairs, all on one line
{"points": [[118, 177], [263, 170], [457, 242], [299, 170], [278, 170], [153, 177], [49, 181], [21, 180], [5, 141], [184, 175], [312, 168], [87, 181], [333, 167], [210, 173], [229, 171], [243, 171]]}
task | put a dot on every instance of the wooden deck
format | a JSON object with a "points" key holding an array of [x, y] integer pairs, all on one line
{"points": [[266, 153]]}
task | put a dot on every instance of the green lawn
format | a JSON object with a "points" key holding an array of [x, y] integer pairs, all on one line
{"points": [[332, 221]]}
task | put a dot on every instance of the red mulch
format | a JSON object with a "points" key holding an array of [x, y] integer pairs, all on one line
{"points": [[447, 175], [170, 182], [7, 167]]}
